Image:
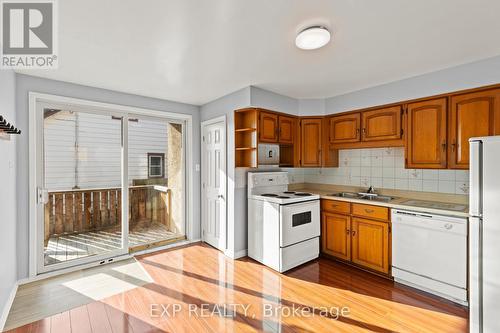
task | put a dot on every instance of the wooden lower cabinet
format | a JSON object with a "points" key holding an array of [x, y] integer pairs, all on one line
{"points": [[336, 240], [361, 241], [370, 244]]}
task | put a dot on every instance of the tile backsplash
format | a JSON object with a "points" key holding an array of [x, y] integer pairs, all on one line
{"points": [[383, 168]]}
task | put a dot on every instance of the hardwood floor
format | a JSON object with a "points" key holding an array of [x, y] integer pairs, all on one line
{"points": [[198, 280]]}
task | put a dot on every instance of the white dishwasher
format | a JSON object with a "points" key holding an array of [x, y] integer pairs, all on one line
{"points": [[429, 252]]}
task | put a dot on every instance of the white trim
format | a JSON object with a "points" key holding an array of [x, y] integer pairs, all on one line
{"points": [[71, 269], [215, 120], [236, 255], [98, 107], [8, 306]]}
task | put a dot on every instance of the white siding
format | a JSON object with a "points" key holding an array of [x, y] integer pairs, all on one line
{"points": [[99, 149]]}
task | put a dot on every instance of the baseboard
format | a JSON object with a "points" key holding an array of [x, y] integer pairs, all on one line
{"points": [[8, 305], [236, 255]]}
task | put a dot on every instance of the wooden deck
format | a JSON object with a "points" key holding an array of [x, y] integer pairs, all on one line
{"points": [[78, 245], [201, 278]]}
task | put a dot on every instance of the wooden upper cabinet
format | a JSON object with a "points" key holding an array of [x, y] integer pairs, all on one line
{"points": [[426, 134], [471, 115], [381, 124], [268, 127], [336, 235], [286, 129], [344, 129], [370, 244], [311, 142]]}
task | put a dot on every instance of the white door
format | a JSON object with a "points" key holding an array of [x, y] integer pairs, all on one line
{"points": [[213, 161]]}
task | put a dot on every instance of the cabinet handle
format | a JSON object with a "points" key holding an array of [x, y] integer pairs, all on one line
{"points": [[354, 232], [348, 231], [369, 211], [453, 145], [357, 131], [444, 145], [364, 131]]}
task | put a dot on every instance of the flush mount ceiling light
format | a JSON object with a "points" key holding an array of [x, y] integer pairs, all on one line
{"points": [[312, 38]]}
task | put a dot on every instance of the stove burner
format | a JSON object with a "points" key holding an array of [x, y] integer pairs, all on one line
{"points": [[289, 192], [282, 197], [269, 195], [303, 194]]}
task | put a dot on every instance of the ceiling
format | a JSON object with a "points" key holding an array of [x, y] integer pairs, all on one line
{"points": [[195, 51]]}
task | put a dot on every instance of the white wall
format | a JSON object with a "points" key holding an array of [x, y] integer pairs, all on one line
{"points": [[466, 76], [8, 189], [25, 84]]}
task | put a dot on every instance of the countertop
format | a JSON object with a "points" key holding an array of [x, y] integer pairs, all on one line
{"points": [[397, 203]]}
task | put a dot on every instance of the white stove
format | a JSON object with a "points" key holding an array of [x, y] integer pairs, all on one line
{"points": [[283, 225]]}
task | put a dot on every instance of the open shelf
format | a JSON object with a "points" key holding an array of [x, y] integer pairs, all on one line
{"points": [[245, 133], [245, 148], [249, 129]]}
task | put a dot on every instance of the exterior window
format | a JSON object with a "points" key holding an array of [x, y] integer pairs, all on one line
{"points": [[156, 165]]}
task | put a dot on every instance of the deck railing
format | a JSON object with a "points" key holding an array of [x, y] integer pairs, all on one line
{"points": [[76, 211]]}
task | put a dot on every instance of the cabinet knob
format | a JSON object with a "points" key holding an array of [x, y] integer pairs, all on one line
{"points": [[348, 231], [369, 211], [354, 232]]}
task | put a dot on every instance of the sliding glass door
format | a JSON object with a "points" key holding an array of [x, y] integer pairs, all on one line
{"points": [[109, 183], [156, 182], [82, 156]]}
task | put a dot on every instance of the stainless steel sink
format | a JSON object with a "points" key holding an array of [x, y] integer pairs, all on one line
{"points": [[346, 195], [363, 196]]}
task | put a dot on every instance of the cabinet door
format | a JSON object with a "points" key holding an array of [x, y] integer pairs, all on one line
{"points": [[345, 128], [286, 129], [370, 244], [336, 235], [381, 124], [471, 115], [426, 139], [268, 127], [329, 154], [311, 142]]}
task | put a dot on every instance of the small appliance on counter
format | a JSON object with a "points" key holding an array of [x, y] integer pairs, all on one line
{"points": [[283, 226], [268, 155]]}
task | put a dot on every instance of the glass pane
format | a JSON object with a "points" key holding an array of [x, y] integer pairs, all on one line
{"points": [[156, 198], [82, 157]]}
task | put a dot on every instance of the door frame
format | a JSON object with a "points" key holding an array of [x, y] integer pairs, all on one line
{"points": [[35, 99], [223, 233]]}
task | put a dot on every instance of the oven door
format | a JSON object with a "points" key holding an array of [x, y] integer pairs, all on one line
{"points": [[299, 222]]}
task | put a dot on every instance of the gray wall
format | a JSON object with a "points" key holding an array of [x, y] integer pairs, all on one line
{"points": [[470, 75], [8, 272], [25, 84]]}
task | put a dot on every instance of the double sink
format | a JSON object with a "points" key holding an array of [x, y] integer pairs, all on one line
{"points": [[363, 196]]}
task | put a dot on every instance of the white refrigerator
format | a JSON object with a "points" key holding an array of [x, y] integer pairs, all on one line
{"points": [[484, 235]]}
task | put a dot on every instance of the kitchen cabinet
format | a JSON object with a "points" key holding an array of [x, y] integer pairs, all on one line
{"points": [[336, 235], [426, 142], [345, 128], [311, 142], [286, 129], [370, 244], [381, 124], [268, 127], [357, 233], [471, 115]]}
